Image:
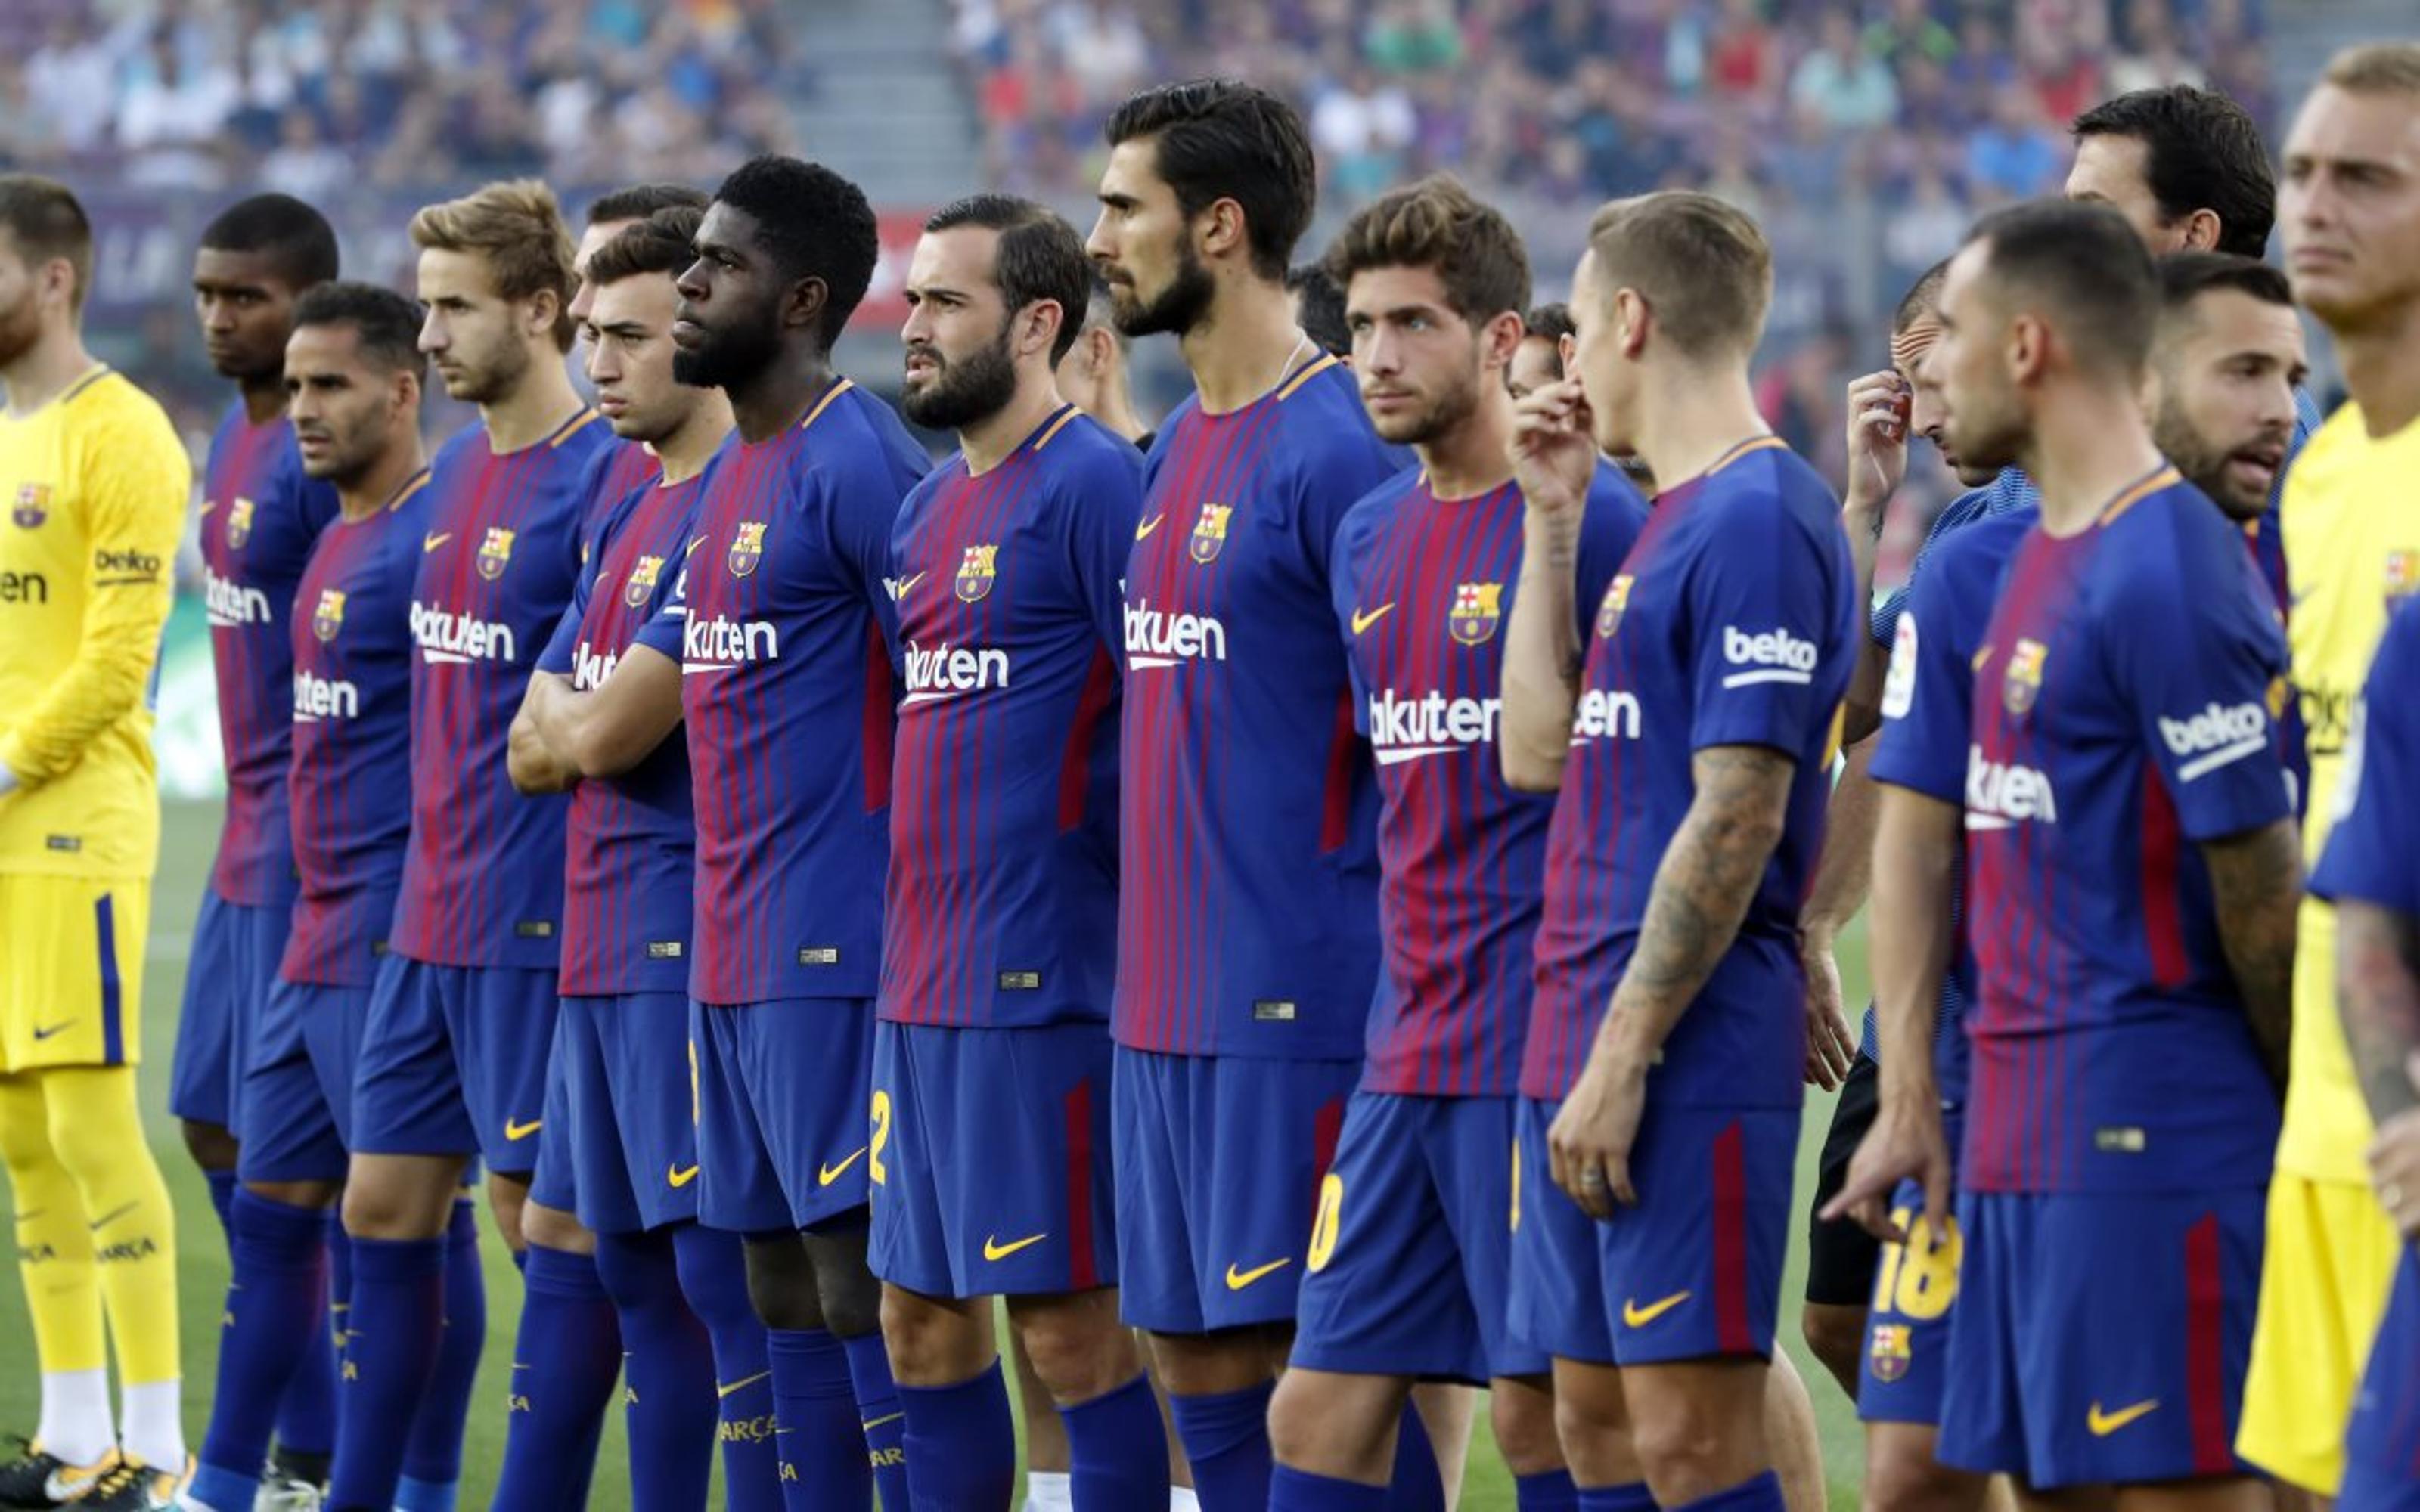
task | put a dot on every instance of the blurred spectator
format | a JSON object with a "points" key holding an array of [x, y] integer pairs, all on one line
{"points": [[2013, 155], [1840, 83], [1360, 129]]}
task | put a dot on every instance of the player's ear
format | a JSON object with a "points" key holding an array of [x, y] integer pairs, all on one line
{"points": [[1041, 320], [2202, 227], [1499, 340], [803, 306], [1632, 320], [1219, 228]]}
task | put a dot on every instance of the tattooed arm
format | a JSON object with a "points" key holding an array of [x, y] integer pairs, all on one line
{"points": [[2256, 880], [1703, 889], [1542, 653], [2378, 994]]}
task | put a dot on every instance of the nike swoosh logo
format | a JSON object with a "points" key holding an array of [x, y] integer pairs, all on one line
{"points": [[209, 504], [1142, 531], [113, 1216], [48, 1031], [1637, 1317], [995, 1250], [66, 1486], [741, 1385], [868, 1428], [905, 583], [1362, 622], [519, 1131], [1238, 1280], [433, 540], [680, 1175], [827, 1175], [2104, 1424]]}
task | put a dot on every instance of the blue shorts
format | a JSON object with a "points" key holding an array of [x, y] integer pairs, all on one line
{"points": [[1691, 1271], [631, 1129], [781, 1111], [2102, 1336], [298, 1092], [1907, 1321], [2382, 1442], [1219, 1166], [454, 1063], [229, 978], [555, 1181], [1412, 1247], [990, 1160]]}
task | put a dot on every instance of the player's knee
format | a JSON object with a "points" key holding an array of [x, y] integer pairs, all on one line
{"points": [[97, 1138], [782, 1283], [1212, 1364], [1837, 1336], [1076, 1344], [551, 1227], [1697, 1435], [211, 1145], [851, 1300], [1904, 1477], [1523, 1420], [392, 1202], [1333, 1424]]}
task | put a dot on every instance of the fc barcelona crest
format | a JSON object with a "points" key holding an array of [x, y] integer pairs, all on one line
{"points": [[645, 574], [1478, 608], [2402, 577], [1210, 532], [975, 574], [1891, 1352], [746, 548], [330, 616], [238, 524], [2021, 683], [1617, 598], [33, 505], [495, 553]]}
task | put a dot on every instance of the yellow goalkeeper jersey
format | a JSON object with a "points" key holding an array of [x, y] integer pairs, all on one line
{"points": [[2352, 551], [93, 491]]}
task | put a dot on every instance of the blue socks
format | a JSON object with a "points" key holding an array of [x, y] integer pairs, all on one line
{"points": [[822, 1447], [398, 1312], [878, 1413], [667, 1371], [279, 1277], [432, 1457], [1549, 1490], [1226, 1438], [714, 1277], [1758, 1493], [1118, 1449], [1634, 1497], [1418, 1484], [1300, 1490], [962, 1444], [564, 1361]]}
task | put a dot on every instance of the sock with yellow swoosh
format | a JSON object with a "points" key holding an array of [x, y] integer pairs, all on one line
{"points": [[822, 1445], [566, 1356], [1117, 1448], [269, 1326], [1226, 1436], [878, 1408], [714, 1276], [668, 1399], [961, 1442]]}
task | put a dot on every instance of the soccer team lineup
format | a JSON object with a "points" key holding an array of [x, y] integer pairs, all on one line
{"points": [[1258, 964]]}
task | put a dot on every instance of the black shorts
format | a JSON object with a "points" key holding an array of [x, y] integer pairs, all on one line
{"points": [[1840, 1255]]}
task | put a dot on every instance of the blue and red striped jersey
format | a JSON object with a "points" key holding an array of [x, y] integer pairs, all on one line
{"points": [[2373, 851], [781, 622], [2111, 1052], [1928, 715], [1423, 589], [1733, 623], [483, 880], [350, 641], [1248, 913], [1002, 907], [629, 842], [260, 517]]}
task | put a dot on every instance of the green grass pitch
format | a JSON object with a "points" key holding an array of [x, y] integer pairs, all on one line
{"points": [[188, 836]]}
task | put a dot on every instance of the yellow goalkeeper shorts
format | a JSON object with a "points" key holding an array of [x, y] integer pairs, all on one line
{"points": [[2324, 1282], [70, 971]]}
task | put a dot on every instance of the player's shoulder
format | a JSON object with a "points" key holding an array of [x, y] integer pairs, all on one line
{"points": [[1614, 503], [1971, 557], [1370, 515], [466, 448], [1763, 485], [1077, 454], [2341, 462], [1324, 431], [2166, 545], [111, 411], [877, 442], [581, 441]]}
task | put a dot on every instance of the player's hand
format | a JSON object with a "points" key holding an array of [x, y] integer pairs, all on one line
{"points": [[2394, 1163], [1879, 406], [1906, 1144], [1831, 1042], [1553, 448], [1587, 1147]]}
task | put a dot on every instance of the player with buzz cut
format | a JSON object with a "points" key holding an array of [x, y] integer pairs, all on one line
{"points": [[1094, 376], [620, 1104], [94, 481], [1662, 1074], [351, 369], [2130, 882], [2350, 211], [1248, 903], [992, 1171], [1405, 1278], [260, 516], [454, 1055]]}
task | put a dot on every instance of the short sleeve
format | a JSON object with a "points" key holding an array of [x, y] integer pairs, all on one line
{"points": [[2205, 692], [1928, 695], [1332, 476], [860, 508], [1101, 522], [1761, 621], [1345, 596], [2373, 852]]}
